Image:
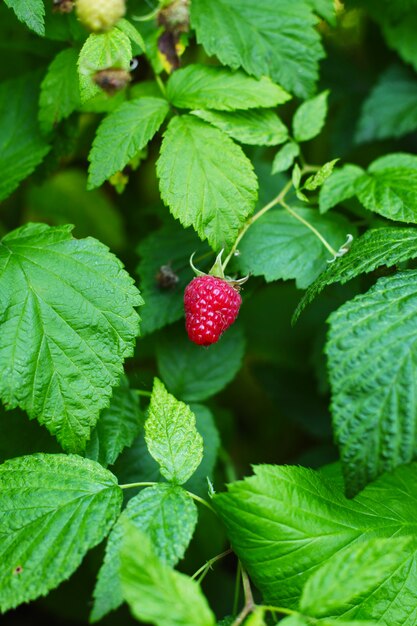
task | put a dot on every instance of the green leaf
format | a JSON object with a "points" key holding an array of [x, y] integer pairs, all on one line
{"points": [[136, 464], [294, 620], [101, 52], [30, 12], [273, 38], [376, 247], [168, 516], [371, 353], [339, 187], [399, 34], [67, 323], [317, 179], [60, 91], [117, 426], [206, 180], [122, 135], [278, 246], [390, 110], [23, 146], [296, 176], [203, 87], [171, 436], [169, 248], [324, 8], [309, 118], [351, 575], [286, 522], [54, 507], [257, 127], [389, 187], [284, 158], [132, 32], [156, 593], [193, 374]]}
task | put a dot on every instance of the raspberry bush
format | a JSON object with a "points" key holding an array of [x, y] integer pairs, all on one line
{"points": [[228, 445]]}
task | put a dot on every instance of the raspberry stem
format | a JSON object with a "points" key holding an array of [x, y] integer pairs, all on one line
{"points": [[325, 243]]}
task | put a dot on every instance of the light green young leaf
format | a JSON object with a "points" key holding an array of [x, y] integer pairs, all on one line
{"points": [[60, 91], [256, 618], [296, 176], [389, 187], [257, 127], [339, 187], [54, 364], [275, 38], [171, 436], [117, 427], [324, 8], [204, 87], [278, 246], [170, 248], [193, 374], [122, 135], [376, 247], [22, 145], [168, 516], [100, 52], [284, 158], [30, 12], [390, 110], [206, 180], [156, 593], [372, 355], [132, 32], [53, 508], [286, 522], [294, 620], [352, 575], [309, 118], [317, 179]]}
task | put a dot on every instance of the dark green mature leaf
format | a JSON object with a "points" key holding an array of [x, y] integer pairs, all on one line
{"points": [[100, 52], [60, 91], [257, 127], [273, 38], [309, 118], [168, 516], [376, 247], [278, 246], [372, 355], [390, 110], [351, 575], [67, 322], [194, 374], [122, 135], [339, 187], [204, 87], [389, 187], [21, 143], [156, 593], [171, 436], [286, 522], [117, 427], [206, 180], [30, 12], [169, 248], [399, 34], [53, 509]]}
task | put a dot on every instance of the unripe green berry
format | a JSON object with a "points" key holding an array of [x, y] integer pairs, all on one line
{"points": [[100, 15]]}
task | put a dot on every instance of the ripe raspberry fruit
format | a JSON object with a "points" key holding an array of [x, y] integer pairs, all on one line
{"points": [[211, 306], [100, 15]]}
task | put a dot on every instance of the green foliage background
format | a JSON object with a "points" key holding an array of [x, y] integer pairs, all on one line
{"points": [[311, 100]]}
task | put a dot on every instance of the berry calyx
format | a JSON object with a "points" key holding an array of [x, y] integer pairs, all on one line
{"points": [[211, 306], [100, 15]]}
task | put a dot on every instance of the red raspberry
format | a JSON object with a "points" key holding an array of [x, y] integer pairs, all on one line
{"points": [[211, 306]]}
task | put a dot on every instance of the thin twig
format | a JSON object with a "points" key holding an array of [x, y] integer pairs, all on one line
{"points": [[249, 601]]}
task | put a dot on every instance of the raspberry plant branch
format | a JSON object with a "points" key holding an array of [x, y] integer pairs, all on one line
{"points": [[325, 243], [208, 565], [249, 601]]}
